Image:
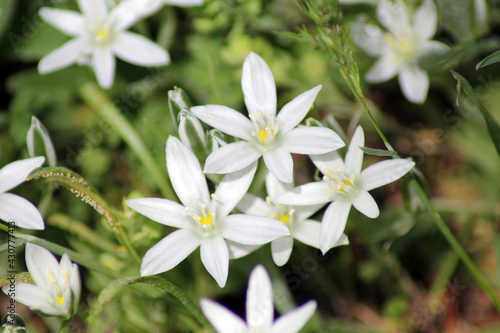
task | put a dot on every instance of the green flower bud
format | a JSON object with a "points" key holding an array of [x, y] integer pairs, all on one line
{"points": [[39, 143]]}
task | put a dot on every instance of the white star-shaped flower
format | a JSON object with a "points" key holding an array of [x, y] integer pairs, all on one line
{"points": [[259, 310], [274, 137], [99, 34], [203, 220], [57, 287], [14, 208], [346, 185], [406, 41], [295, 217]]}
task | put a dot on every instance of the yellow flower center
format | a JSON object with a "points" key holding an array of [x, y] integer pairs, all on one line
{"points": [[281, 212], [265, 128], [339, 182], [60, 300], [207, 220], [403, 44], [284, 218]]}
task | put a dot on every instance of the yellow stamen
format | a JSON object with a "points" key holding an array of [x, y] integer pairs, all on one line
{"points": [[284, 218], [262, 136], [65, 276], [330, 191], [260, 114], [50, 275], [207, 220], [60, 300], [330, 173]]}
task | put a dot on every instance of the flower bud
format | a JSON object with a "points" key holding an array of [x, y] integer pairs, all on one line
{"points": [[178, 100], [192, 134], [39, 143]]}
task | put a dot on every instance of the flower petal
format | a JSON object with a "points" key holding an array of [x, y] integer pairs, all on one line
{"points": [[93, 10], [333, 224], [16, 172], [237, 250], [184, 3], [308, 194], [103, 63], [260, 304], [308, 232], [69, 22], [221, 318], [275, 188], [215, 258], [257, 83], [329, 161], [281, 250], [23, 213], [161, 210], [354, 155], [230, 158], [384, 69], [63, 56], [185, 174], [138, 50], [226, 120], [39, 261], [233, 187], [127, 12], [293, 321], [169, 252], [36, 298], [384, 172], [425, 20], [311, 140], [369, 37], [253, 230], [304, 212], [252, 204], [366, 205], [415, 83], [294, 111], [394, 16], [280, 163], [433, 47]]}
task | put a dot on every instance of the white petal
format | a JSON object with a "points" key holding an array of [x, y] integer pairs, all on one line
{"points": [[95, 9], [226, 120], [138, 50], [127, 12], [222, 319], [163, 211], [329, 161], [311, 140], [384, 69], [230, 158], [169, 252], [433, 47], [293, 321], [384, 172], [184, 3], [253, 230], [259, 89], [275, 188], [103, 63], [38, 261], [69, 22], [185, 174], [237, 250], [36, 298], [16, 172], [304, 212], [308, 232], [281, 250], [252, 204], [369, 37], [215, 258], [415, 83], [233, 187], [425, 20], [393, 15], [259, 304], [63, 56], [23, 213], [308, 194], [333, 224], [294, 111], [354, 155], [343, 240], [280, 163], [366, 205]]}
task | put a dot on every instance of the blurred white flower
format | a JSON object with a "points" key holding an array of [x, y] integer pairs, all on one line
{"points": [[294, 217], [99, 33], [259, 310], [265, 134], [203, 219], [345, 185], [38, 134], [14, 208], [407, 40], [57, 287]]}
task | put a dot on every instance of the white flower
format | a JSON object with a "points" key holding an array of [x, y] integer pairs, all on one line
{"points": [[14, 208], [259, 310], [294, 217], [57, 287], [401, 48], [203, 220], [100, 34], [265, 134], [345, 185], [38, 132]]}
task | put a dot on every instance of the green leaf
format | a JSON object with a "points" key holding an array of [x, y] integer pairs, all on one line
{"points": [[491, 59], [491, 123], [20, 277], [379, 152]]}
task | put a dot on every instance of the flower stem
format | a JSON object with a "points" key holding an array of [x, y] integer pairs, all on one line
{"points": [[101, 104]]}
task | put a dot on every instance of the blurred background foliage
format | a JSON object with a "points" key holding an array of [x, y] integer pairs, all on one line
{"points": [[398, 274]]}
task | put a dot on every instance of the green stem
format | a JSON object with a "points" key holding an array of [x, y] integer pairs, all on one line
{"points": [[101, 104], [66, 325]]}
